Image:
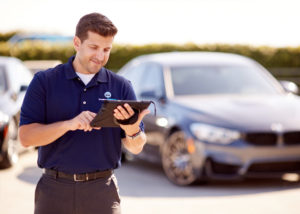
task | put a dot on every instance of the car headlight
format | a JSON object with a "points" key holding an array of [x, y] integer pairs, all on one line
{"points": [[213, 134]]}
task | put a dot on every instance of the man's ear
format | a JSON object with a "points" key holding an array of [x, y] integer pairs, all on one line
{"points": [[76, 42]]}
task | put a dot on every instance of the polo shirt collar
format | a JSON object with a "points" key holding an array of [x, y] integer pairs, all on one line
{"points": [[102, 75], [70, 71], [71, 74]]}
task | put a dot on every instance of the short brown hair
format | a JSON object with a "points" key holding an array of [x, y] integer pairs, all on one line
{"points": [[96, 23]]}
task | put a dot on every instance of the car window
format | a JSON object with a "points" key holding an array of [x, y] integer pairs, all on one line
{"points": [[19, 75], [153, 80], [3, 84], [220, 80], [135, 75]]}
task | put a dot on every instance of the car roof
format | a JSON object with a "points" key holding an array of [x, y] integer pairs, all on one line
{"points": [[7, 59], [196, 58]]}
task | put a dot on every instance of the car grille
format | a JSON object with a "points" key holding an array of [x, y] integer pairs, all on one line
{"points": [[292, 138], [261, 139], [275, 167], [225, 169], [273, 139]]}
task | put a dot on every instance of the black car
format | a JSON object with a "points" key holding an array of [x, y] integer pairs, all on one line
{"points": [[14, 80], [219, 115]]}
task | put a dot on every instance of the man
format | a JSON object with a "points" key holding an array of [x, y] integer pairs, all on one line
{"points": [[78, 160]]}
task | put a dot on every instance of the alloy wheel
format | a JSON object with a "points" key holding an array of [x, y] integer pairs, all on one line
{"points": [[176, 160]]}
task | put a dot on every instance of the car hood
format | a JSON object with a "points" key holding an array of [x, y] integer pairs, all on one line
{"points": [[247, 112]]}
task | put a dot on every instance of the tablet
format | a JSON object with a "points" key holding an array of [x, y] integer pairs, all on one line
{"points": [[105, 116]]}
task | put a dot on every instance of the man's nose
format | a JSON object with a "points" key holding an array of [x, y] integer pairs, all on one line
{"points": [[100, 55]]}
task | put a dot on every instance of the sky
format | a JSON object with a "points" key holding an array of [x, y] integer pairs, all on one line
{"points": [[249, 22]]}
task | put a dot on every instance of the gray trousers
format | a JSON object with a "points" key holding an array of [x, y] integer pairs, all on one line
{"points": [[61, 196]]}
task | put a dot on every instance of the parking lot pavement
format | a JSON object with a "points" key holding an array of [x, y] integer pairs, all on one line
{"points": [[145, 189]]}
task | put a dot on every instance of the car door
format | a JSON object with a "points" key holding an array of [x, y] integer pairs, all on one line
{"points": [[6, 104], [151, 87], [19, 78], [148, 83], [3, 81]]}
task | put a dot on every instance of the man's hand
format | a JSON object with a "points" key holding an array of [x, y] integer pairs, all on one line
{"points": [[82, 121], [36, 134], [123, 113], [135, 145]]}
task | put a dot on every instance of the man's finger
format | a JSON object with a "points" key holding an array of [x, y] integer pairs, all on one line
{"points": [[129, 109], [118, 115], [84, 123], [92, 114], [89, 116], [123, 112], [142, 115]]}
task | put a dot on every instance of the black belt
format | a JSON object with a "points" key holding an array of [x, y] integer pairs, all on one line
{"points": [[78, 177]]}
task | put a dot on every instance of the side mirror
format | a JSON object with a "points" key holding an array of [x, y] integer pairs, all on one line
{"points": [[148, 94], [152, 95], [23, 88], [289, 86]]}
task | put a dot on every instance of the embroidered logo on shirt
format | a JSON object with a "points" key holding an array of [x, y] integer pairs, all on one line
{"points": [[107, 94]]}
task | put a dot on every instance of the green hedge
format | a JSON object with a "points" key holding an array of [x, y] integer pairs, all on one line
{"points": [[6, 36], [267, 56], [4, 49], [37, 51]]}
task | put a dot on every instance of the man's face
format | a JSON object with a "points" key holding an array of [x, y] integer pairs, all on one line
{"points": [[93, 53]]}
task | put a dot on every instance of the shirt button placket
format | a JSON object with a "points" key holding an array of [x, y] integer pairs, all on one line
{"points": [[84, 99]]}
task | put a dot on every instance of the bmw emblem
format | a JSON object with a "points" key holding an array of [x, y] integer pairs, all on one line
{"points": [[107, 94], [276, 127]]}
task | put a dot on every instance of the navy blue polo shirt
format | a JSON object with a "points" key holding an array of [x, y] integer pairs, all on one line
{"points": [[58, 94]]}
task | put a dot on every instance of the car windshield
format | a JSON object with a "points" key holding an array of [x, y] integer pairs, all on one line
{"points": [[194, 80]]}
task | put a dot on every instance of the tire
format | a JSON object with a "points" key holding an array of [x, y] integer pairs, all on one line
{"points": [[177, 161], [10, 147]]}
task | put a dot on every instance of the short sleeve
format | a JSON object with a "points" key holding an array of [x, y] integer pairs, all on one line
{"points": [[129, 95], [33, 109]]}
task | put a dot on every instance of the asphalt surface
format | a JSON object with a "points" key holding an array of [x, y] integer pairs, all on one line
{"points": [[144, 189]]}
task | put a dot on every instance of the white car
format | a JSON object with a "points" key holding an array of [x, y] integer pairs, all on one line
{"points": [[14, 80]]}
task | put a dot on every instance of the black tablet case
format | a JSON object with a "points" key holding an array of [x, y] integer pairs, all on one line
{"points": [[105, 116]]}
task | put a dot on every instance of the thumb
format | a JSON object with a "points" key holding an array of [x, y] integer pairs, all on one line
{"points": [[143, 114]]}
